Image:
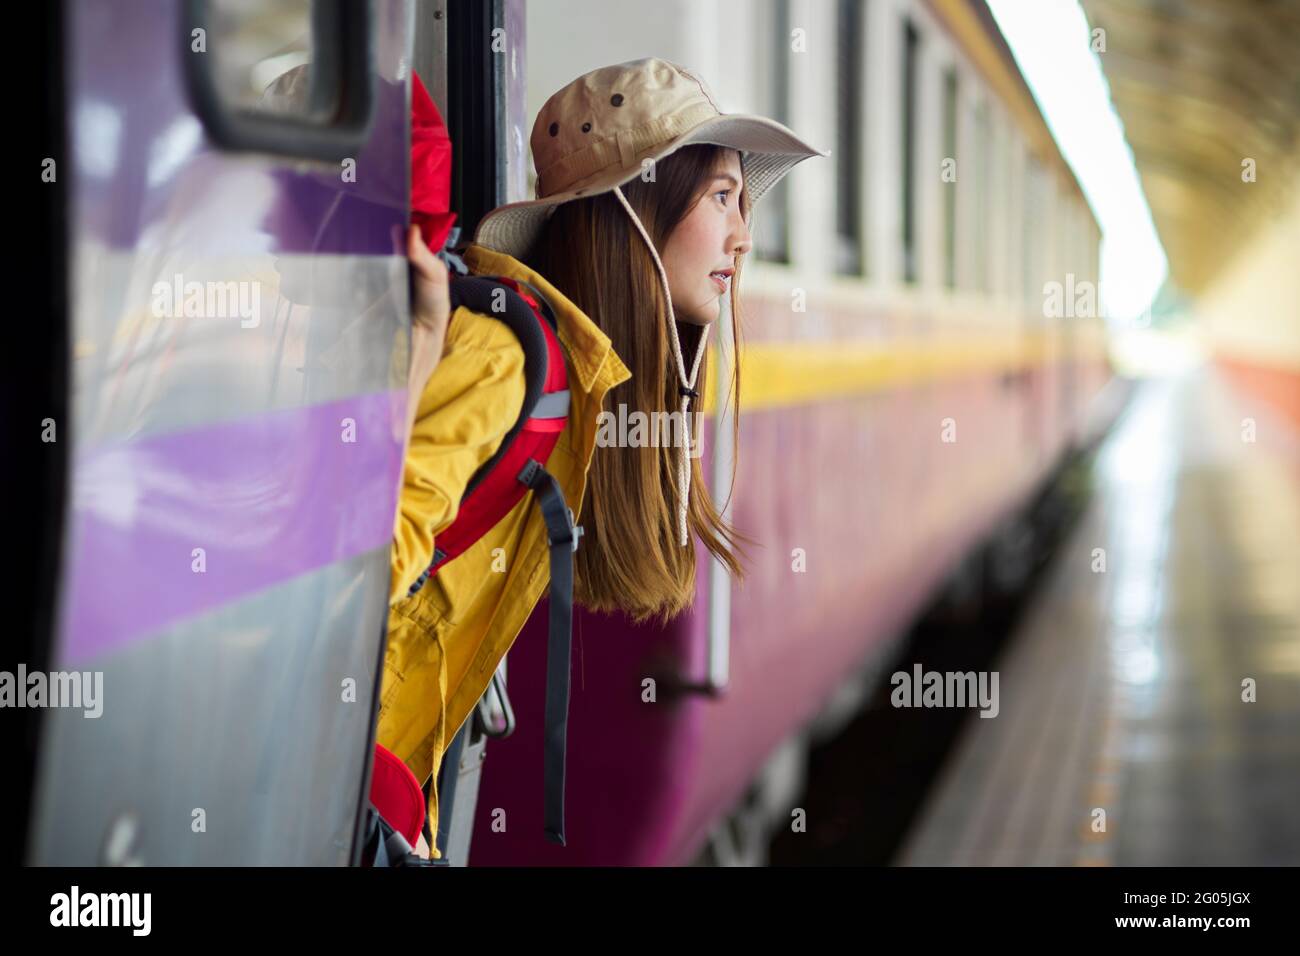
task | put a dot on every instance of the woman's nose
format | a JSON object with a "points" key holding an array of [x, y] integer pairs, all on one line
{"points": [[743, 242]]}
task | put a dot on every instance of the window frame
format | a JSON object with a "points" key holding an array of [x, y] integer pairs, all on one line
{"points": [[341, 60]]}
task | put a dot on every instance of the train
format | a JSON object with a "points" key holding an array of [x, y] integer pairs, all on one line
{"points": [[235, 330]]}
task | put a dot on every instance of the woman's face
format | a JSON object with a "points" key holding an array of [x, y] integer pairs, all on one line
{"points": [[704, 246]]}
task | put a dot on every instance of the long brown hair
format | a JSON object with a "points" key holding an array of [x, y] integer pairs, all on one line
{"points": [[630, 558]]}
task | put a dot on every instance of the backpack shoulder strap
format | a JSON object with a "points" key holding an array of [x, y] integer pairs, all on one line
{"points": [[497, 299]]}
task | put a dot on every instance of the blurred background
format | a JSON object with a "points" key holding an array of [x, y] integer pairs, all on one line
{"points": [[1085, 180], [1019, 439]]}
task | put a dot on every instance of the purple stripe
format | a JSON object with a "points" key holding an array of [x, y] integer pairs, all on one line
{"points": [[266, 498]]}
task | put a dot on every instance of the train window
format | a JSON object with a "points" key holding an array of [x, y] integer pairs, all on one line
{"points": [[252, 45], [1069, 238], [950, 186], [291, 78], [1008, 198], [1050, 263], [910, 42], [849, 44], [1063, 233], [1032, 239], [772, 228], [1094, 253], [983, 184], [1017, 200], [1007, 172]]}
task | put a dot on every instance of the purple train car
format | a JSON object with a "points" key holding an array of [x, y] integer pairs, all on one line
{"points": [[236, 328]]}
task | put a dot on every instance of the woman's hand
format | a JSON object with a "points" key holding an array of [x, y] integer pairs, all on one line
{"points": [[430, 305], [430, 313]]}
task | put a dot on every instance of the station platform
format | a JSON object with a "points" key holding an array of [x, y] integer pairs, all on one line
{"points": [[1149, 706]]}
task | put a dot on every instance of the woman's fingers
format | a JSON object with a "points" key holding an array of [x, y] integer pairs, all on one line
{"points": [[431, 298]]}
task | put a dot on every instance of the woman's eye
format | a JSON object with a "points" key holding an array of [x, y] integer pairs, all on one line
{"points": [[724, 193]]}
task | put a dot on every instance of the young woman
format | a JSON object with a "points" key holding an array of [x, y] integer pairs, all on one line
{"points": [[645, 189]]}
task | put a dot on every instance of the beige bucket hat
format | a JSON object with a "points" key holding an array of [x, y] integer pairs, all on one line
{"points": [[600, 131]]}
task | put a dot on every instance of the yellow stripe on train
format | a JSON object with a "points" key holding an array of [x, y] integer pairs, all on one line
{"points": [[775, 374]]}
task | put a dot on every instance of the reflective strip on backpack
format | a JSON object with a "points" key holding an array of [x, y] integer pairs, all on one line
{"points": [[552, 405]]}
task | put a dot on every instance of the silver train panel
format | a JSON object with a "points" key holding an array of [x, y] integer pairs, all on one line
{"points": [[193, 762]]}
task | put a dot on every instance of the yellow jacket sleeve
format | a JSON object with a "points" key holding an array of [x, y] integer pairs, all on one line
{"points": [[471, 400]]}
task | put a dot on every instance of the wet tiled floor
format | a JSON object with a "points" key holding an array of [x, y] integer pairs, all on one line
{"points": [[1126, 733]]}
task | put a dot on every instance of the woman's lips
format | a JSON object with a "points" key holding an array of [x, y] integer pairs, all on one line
{"points": [[718, 281]]}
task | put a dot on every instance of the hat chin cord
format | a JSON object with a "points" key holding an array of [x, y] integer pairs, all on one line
{"points": [[687, 382]]}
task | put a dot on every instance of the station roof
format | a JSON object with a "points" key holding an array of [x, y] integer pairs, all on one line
{"points": [[1201, 86]]}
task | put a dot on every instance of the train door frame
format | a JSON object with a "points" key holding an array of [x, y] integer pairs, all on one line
{"points": [[456, 54], [42, 340]]}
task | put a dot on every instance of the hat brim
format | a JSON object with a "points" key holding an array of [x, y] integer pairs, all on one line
{"points": [[768, 151]]}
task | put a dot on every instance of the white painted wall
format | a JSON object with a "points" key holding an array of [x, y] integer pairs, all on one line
{"points": [[1252, 311]]}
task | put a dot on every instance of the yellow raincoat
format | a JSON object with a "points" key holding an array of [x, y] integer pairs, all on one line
{"points": [[445, 641]]}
